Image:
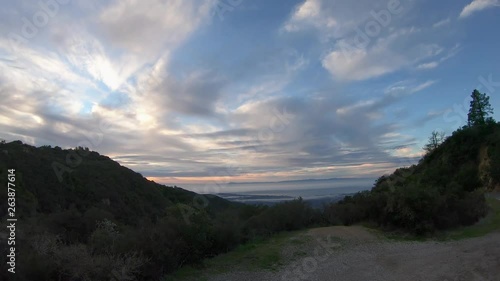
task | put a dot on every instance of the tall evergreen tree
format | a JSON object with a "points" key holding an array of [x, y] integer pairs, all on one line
{"points": [[480, 109]]}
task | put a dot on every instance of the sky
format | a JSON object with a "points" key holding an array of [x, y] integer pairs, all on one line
{"points": [[195, 91]]}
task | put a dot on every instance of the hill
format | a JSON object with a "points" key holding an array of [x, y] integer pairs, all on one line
{"points": [[82, 216], [52, 180], [445, 190], [79, 205]]}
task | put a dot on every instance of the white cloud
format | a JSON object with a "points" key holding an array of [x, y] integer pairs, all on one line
{"points": [[336, 18], [478, 5], [357, 106], [429, 65], [407, 152], [57, 80], [442, 23], [111, 42], [433, 64], [308, 9], [360, 53], [374, 108], [386, 55], [145, 28], [310, 13], [135, 34], [423, 86], [359, 64], [404, 88]]}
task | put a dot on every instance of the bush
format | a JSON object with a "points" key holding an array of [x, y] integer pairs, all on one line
{"points": [[443, 191]]}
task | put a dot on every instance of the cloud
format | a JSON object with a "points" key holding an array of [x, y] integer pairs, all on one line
{"points": [[362, 64], [183, 107], [367, 41], [142, 29], [431, 115], [392, 94], [271, 137], [404, 88], [349, 62], [77, 74], [195, 95], [434, 64], [312, 138], [442, 23], [310, 13], [478, 5], [333, 19], [429, 65], [123, 37], [88, 54], [423, 86]]}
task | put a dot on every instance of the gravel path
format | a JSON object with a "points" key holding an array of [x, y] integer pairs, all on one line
{"points": [[353, 253]]}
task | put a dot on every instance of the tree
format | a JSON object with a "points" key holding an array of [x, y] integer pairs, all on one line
{"points": [[480, 109], [435, 140]]}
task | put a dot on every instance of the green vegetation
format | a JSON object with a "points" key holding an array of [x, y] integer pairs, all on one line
{"points": [[487, 225], [480, 110], [444, 191], [256, 255], [484, 226], [97, 220]]}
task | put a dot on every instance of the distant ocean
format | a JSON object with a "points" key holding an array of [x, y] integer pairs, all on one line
{"points": [[315, 191]]}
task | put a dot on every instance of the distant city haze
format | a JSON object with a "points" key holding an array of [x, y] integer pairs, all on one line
{"points": [[303, 188]]}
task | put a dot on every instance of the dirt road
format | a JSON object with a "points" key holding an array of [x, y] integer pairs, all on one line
{"points": [[354, 253]]}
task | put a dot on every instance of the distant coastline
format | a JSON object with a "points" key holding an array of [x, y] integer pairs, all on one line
{"points": [[316, 193], [342, 185], [304, 180]]}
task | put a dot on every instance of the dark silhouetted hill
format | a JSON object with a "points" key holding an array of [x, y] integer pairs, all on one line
{"points": [[445, 190], [51, 180], [83, 216]]}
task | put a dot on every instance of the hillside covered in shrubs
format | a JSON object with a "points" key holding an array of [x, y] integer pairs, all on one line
{"points": [[445, 190], [83, 216]]}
